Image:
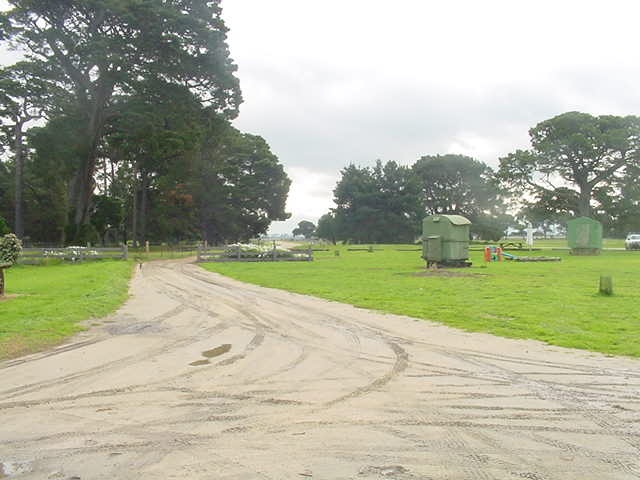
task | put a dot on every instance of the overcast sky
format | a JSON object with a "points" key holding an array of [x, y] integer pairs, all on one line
{"points": [[333, 82]]}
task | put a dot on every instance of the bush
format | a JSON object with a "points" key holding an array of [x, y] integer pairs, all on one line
{"points": [[10, 248]]}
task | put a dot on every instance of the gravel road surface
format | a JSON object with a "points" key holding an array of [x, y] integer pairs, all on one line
{"points": [[202, 377]]}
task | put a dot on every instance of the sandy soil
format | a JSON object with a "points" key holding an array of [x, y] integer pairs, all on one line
{"points": [[202, 377]]}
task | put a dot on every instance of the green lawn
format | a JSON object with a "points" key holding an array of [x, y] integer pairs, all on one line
{"points": [[45, 303], [556, 302]]}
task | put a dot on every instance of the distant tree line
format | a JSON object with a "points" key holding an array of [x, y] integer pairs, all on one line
{"points": [[386, 203], [116, 127], [578, 165]]}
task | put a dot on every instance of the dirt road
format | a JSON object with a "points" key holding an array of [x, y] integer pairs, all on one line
{"points": [[202, 377]]}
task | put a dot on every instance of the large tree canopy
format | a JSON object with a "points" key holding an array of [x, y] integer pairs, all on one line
{"points": [[576, 152], [239, 187], [137, 141], [377, 204], [455, 184], [99, 49]]}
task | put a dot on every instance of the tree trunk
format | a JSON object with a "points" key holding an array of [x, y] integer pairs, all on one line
{"points": [[84, 183], [19, 214], [134, 215], [144, 186], [584, 202], [1, 282]]}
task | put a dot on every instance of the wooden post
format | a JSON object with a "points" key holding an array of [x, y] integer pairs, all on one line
{"points": [[606, 285], [2, 267], [238, 252], [309, 258], [125, 252]]}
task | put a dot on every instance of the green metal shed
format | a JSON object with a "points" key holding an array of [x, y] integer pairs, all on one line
{"points": [[584, 236], [445, 240]]}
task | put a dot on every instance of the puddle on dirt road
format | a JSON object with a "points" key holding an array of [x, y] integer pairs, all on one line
{"points": [[197, 363], [214, 352]]}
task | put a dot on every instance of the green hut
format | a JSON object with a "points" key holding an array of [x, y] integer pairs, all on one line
{"points": [[584, 236], [445, 240]]}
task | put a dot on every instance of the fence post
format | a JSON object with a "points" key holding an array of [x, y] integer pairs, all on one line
{"points": [[309, 253], [1, 281], [238, 252], [274, 254], [125, 252], [199, 257]]}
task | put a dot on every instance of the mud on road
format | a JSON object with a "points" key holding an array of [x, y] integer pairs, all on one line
{"points": [[202, 377]]}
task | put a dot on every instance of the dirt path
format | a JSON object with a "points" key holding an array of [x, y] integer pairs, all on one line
{"points": [[202, 377]]}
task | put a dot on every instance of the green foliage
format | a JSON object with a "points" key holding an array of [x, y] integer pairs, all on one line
{"points": [[305, 228], [108, 214], [327, 228], [137, 98], [573, 156], [85, 234], [387, 203], [4, 228], [555, 302], [239, 187], [491, 227], [455, 184], [10, 248], [95, 50], [378, 204], [51, 300]]}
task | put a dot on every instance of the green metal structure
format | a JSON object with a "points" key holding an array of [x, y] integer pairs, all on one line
{"points": [[445, 241], [584, 236]]}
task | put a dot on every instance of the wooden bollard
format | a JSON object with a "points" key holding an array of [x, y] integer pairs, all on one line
{"points": [[606, 285], [1, 281]]}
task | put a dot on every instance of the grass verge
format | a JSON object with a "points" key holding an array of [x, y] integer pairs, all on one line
{"points": [[556, 302], [45, 303]]}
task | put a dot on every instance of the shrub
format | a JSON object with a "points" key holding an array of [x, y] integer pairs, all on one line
{"points": [[10, 248]]}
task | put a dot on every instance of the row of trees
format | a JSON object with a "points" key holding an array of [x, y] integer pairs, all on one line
{"points": [[386, 203], [117, 126], [578, 165]]}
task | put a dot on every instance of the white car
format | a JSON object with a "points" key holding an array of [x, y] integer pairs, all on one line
{"points": [[632, 242]]}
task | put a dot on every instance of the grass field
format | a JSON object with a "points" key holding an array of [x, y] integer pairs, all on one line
{"points": [[45, 303], [555, 302]]}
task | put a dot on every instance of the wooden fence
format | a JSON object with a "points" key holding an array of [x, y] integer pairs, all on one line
{"points": [[32, 256], [236, 254]]}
